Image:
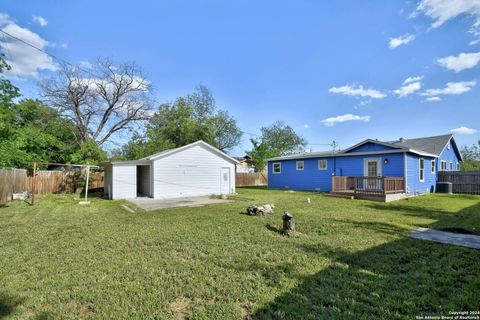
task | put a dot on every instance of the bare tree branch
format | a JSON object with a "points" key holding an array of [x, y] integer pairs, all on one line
{"points": [[100, 102]]}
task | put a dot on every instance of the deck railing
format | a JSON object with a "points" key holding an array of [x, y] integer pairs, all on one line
{"points": [[368, 185]]}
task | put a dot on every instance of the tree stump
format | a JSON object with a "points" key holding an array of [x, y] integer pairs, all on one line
{"points": [[288, 223]]}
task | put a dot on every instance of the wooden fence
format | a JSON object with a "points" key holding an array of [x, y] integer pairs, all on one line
{"points": [[17, 180], [462, 181], [250, 179], [12, 181]]}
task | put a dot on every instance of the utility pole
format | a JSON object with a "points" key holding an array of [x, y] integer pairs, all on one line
{"points": [[334, 145]]}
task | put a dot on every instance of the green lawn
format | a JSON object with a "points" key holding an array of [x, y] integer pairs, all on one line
{"points": [[350, 260]]}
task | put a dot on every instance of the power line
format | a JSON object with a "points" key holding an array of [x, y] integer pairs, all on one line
{"points": [[333, 144], [43, 51]]}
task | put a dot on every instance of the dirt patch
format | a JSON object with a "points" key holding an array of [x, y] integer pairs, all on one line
{"points": [[181, 308]]}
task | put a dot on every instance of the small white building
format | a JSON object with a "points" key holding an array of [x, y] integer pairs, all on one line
{"points": [[196, 169]]}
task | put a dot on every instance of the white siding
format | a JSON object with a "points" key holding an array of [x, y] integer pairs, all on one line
{"points": [[191, 172], [124, 180]]}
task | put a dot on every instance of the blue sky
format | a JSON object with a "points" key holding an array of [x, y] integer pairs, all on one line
{"points": [[333, 70]]}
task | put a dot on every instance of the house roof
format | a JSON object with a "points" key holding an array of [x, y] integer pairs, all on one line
{"points": [[428, 146], [433, 145], [165, 153]]}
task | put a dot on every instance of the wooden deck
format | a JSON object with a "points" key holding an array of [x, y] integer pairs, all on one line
{"points": [[372, 188]]}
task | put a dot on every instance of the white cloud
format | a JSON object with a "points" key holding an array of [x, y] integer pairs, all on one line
{"points": [[440, 11], [408, 89], [85, 64], [412, 79], [463, 130], [474, 42], [58, 45], [403, 39], [451, 88], [40, 20], [5, 19], [24, 60], [306, 126], [358, 91], [431, 99], [461, 62], [330, 122]]}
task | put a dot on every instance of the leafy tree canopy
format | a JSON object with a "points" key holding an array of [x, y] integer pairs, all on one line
{"points": [[186, 120], [276, 140], [471, 157]]}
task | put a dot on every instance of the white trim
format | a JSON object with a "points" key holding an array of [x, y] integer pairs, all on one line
{"points": [[420, 169], [199, 142], [432, 166], [353, 154], [297, 163], [372, 141], [320, 167], [379, 166], [441, 165], [273, 167]]}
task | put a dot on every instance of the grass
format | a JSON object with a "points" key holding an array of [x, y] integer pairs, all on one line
{"points": [[350, 260]]}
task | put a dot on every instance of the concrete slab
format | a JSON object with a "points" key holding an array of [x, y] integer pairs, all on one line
{"points": [[150, 204], [458, 239]]}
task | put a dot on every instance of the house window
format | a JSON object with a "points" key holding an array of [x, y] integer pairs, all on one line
{"points": [[421, 171], [433, 166], [277, 167], [300, 165], [458, 166], [448, 145], [322, 164], [451, 166], [443, 165]]}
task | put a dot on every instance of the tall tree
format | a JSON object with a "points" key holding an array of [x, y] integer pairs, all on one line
{"points": [[471, 157], [186, 120], [282, 139], [102, 101], [34, 132], [276, 140]]}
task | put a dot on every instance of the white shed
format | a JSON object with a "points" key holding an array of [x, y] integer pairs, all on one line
{"points": [[193, 170]]}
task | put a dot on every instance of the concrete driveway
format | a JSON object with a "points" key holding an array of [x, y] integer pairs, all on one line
{"points": [[150, 204]]}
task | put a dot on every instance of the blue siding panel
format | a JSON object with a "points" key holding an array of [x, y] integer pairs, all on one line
{"points": [[414, 185], [370, 146], [310, 178], [448, 155], [353, 165]]}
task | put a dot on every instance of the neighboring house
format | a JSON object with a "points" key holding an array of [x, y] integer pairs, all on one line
{"points": [[404, 166], [245, 164], [192, 170]]}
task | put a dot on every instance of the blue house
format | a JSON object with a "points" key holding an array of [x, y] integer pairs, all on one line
{"points": [[371, 168]]}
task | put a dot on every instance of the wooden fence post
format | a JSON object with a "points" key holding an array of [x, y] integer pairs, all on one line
{"points": [[34, 182]]}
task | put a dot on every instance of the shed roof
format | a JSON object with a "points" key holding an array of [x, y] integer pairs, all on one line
{"points": [[168, 152]]}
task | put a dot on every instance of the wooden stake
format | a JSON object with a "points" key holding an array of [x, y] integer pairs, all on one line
{"points": [[86, 185], [34, 182]]}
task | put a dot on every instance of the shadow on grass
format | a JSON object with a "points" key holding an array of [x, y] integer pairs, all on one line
{"points": [[257, 188], [396, 280], [8, 304], [275, 229]]}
